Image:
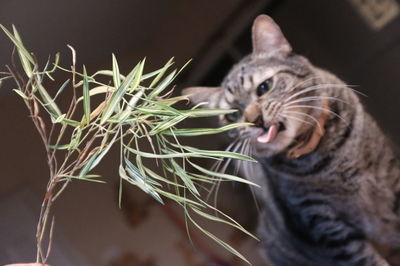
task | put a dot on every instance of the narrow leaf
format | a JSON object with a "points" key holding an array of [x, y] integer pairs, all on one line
{"points": [[138, 77], [219, 241], [191, 132], [98, 90], [223, 175], [161, 72], [20, 93], [115, 72], [25, 61], [85, 178], [138, 181], [163, 84], [117, 96], [48, 103], [184, 177], [86, 96], [18, 43], [216, 153]]}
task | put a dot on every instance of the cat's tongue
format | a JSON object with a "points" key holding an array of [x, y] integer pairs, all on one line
{"points": [[270, 135]]}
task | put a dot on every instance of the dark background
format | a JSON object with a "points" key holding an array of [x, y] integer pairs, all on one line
{"points": [[90, 229]]}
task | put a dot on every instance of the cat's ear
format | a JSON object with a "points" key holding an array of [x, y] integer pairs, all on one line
{"points": [[268, 38], [201, 94]]}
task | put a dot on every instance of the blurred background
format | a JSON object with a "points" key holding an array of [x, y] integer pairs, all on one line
{"points": [[359, 40]]}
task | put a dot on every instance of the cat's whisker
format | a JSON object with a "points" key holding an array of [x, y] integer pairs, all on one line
{"points": [[314, 98], [302, 82], [222, 170], [239, 162], [251, 173], [307, 115], [318, 108], [296, 118], [216, 167], [314, 88], [216, 164]]}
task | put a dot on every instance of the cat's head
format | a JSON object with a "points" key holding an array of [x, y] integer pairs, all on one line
{"points": [[275, 90]]}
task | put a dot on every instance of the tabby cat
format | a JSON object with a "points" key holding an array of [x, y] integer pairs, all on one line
{"points": [[329, 177]]}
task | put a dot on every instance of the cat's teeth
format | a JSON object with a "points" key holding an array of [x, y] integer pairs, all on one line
{"points": [[270, 135]]}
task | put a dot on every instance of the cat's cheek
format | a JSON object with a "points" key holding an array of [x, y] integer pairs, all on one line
{"points": [[292, 130]]}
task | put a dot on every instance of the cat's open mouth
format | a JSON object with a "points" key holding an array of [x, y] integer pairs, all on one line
{"points": [[269, 133]]}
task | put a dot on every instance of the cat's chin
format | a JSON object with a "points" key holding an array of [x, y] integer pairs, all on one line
{"points": [[278, 145]]}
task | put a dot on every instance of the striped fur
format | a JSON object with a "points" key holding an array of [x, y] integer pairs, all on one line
{"points": [[331, 204]]}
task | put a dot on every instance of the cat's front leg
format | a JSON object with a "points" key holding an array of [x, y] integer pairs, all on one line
{"points": [[341, 241]]}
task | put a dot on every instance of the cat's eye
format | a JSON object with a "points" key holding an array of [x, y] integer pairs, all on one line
{"points": [[264, 87], [233, 117]]}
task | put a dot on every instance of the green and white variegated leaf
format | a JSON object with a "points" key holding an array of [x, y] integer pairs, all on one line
{"points": [[117, 96], [223, 175], [136, 179], [191, 132], [20, 93], [86, 97], [115, 72], [216, 153], [131, 104], [161, 72]]}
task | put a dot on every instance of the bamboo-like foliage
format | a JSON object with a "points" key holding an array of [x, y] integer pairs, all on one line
{"points": [[119, 111]]}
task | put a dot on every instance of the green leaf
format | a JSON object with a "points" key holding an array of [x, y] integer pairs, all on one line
{"points": [[85, 178], [98, 90], [58, 119], [207, 112], [219, 241], [161, 72], [160, 178], [131, 104], [71, 122], [50, 106], [138, 76], [115, 72], [4, 78], [107, 73], [25, 57], [60, 147], [142, 174], [191, 132], [20, 93], [223, 176], [117, 96], [22, 53], [167, 124], [98, 156], [137, 180], [86, 96], [56, 61], [166, 155], [219, 220], [163, 84], [177, 198], [184, 177], [60, 89], [216, 153], [88, 165], [76, 137]]}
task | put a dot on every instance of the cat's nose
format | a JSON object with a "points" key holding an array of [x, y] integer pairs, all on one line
{"points": [[252, 114]]}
